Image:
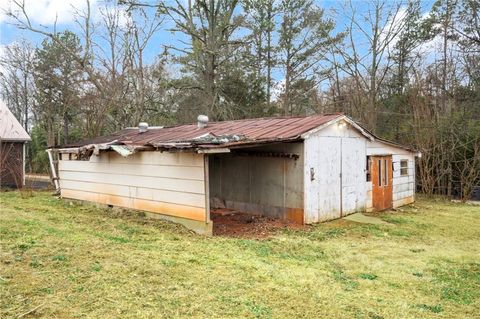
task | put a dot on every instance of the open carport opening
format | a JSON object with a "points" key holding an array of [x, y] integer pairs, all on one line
{"points": [[254, 184]]}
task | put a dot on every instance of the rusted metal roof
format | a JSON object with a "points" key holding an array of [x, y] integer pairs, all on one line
{"points": [[215, 134]]}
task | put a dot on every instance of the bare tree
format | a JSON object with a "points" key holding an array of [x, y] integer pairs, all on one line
{"points": [[378, 27], [16, 80], [210, 26], [18, 14]]}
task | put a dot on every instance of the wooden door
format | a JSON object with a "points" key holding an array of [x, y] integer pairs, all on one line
{"points": [[382, 175]]}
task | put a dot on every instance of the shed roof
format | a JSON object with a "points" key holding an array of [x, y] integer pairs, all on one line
{"points": [[216, 134], [10, 128], [224, 134]]}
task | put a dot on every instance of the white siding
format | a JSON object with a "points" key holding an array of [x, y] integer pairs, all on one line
{"points": [[353, 175], [322, 194], [403, 186], [337, 157], [168, 183]]}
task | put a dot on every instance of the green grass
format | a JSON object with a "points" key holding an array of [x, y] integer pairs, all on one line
{"points": [[64, 260]]}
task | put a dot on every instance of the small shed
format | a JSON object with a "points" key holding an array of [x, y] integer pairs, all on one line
{"points": [[304, 169], [12, 149]]}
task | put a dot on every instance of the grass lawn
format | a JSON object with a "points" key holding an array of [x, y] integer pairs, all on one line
{"points": [[63, 260]]}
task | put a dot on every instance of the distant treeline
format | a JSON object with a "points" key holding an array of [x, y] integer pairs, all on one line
{"points": [[408, 73]]}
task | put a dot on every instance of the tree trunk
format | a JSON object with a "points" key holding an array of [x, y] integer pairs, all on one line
{"points": [[65, 128], [287, 109], [269, 53]]}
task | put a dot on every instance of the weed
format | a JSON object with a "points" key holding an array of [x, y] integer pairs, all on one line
{"points": [[417, 250], [129, 230], [46, 290], [259, 311], [340, 276], [59, 258], [334, 233], [118, 239], [459, 283], [54, 231], [318, 233], [25, 246], [395, 219], [35, 263], [434, 309], [368, 276], [401, 233], [169, 262], [96, 267], [369, 230]]}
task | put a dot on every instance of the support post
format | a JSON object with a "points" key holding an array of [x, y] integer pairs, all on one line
{"points": [[207, 188], [54, 172], [24, 143]]}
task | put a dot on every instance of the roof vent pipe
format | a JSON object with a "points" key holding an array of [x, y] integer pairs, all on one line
{"points": [[142, 127], [202, 121]]}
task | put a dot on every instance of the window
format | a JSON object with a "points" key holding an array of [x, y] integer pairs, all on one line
{"points": [[379, 172], [368, 171], [403, 167], [385, 173]]}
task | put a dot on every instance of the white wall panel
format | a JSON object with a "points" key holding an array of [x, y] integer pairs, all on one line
{"points": [[329, 153], [168, 183]]}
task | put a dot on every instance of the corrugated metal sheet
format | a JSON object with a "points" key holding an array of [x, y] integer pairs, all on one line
{"points": [[216, 134]]}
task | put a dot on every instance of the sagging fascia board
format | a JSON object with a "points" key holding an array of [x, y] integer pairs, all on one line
{"points": [[95, 147], [71, 150], [173, 144], [123, 150], [336, 120], [213, 150], [100, 147], [255, 143]]}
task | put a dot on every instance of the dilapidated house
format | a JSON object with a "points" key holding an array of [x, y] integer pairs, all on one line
{"points": [[305, 169], [12, 149]]}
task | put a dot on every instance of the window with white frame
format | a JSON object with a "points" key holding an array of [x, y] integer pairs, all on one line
{"points": [[404, 167]]}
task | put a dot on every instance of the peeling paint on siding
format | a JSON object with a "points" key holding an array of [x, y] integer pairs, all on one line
{"points": [[337, 157]]}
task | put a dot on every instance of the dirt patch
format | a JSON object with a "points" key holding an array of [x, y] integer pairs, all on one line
{"points": [[245, 225]]}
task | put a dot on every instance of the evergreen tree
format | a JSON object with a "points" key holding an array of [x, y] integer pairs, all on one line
{"points": [[58, 80]]}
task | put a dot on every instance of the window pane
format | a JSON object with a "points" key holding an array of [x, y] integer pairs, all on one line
{"points": [[385, 173], [369, 177], [379, 172], [404, 167]]}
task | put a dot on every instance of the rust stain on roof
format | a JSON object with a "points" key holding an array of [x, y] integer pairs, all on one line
{"points": [[216, 134]]}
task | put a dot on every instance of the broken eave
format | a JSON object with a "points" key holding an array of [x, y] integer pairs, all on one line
{"points": [[125, 149]]}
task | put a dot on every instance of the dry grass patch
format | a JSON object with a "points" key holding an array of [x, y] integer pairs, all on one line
{"points": [[60, 259]]}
